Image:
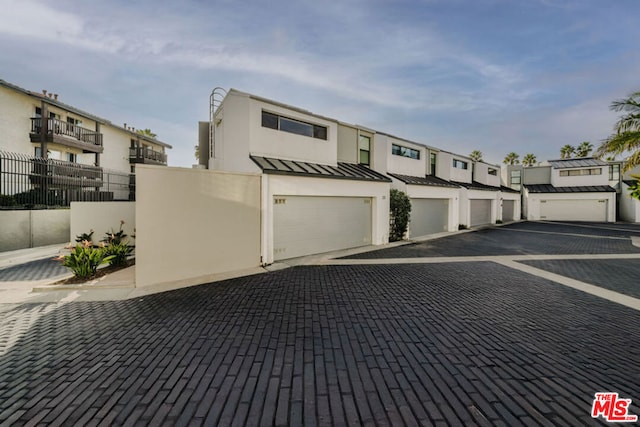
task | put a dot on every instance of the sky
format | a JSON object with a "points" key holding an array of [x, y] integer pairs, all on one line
{"points": [[491, 75]]}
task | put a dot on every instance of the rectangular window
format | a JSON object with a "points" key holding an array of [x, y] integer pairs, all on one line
{"points": [[516, 177], [432, 159], [71, 157], [493, 172], [38, 152], [38, 113], [285, 124], [399, 150], [364, 148], [581, 172], [459, 164], [614, 172]]}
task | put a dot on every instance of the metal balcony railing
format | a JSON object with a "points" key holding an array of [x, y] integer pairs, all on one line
{"points": [[58, 127], [146, 155]]}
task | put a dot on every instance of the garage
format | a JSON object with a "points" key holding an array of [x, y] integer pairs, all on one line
{"points": [[480, 211], [574, 210], [305, 225], [508, 210], [429, 216]]}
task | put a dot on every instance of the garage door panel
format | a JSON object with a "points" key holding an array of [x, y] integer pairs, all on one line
{"points": [[508, 210], [429, 216], [574, 210], [480, 211], [309, 225]]}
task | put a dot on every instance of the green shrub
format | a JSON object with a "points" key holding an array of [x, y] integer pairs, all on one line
{"points": [[400, 210], [84, 259], [118, 253], [7, 200]]}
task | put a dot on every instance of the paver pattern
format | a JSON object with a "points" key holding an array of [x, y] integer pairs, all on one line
{"points": [[437, 344], [517, 239], [34, 270], [619, 275]]}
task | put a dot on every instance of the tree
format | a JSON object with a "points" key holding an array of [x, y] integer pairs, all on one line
{"points": [[146, 132], [476, 156], [584, 149], [567, 151], [529, 160], [400, 207], [626, 139], [511, 159], [197, 152]]}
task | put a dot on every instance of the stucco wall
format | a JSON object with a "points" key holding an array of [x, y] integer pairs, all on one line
{"points": [[232, 135], [102, 217], [406, 165], [629, 207], [15, 111], [348, 144], [276, 143], [482, 176], [583, 180], [194, 223], [26, 229]]}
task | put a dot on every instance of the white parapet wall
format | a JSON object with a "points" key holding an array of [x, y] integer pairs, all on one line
{"points": [[193, 224], [102, 217], [21, 229]]}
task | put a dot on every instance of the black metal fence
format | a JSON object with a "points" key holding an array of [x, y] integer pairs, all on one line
{"points": [[28, 182]]}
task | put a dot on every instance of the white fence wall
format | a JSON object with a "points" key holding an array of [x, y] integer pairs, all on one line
{"points": [[21, 229], [193, 224]]}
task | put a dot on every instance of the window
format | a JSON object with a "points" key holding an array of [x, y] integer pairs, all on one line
{"points": [[71, 157], [74, 122], [38, 152], [399, 150], [581, 172], [614, 172], [493, 172], [285, 124], [432, 159], [516, 179], [459, 164], [364, 148], [38, 113]]}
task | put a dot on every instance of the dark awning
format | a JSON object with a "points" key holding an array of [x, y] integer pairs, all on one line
{"points": [[424, 180], [316, 170], [548, 188]]}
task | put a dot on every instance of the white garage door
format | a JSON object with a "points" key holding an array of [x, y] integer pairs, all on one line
{"points": [[429, 216], [508, 210], [311, 225], [573, 210], [480, 211]]}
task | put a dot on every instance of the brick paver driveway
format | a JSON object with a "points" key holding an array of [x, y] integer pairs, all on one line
{"points": [[464, 343]]}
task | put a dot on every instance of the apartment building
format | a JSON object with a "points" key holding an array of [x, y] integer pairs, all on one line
{"points": [[39, 124]]}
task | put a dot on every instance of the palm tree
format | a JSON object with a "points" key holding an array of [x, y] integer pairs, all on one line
{"points": [[511, 159], [626, 138], [584, 149], [476, 156], [529, 160], [146, 132], [567, 151]]}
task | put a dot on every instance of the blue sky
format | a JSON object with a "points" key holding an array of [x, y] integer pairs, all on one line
{"points": [[494, 75]]}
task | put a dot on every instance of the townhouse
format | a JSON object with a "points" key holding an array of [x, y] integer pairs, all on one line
{"points": [[40, 125], [325, 183], [578, 189]]}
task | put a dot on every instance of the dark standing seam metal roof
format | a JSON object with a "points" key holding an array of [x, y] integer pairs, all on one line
{"points": [[424, 180], [293, 167], [475, 185], [508, 190], [630, 182], [548, 188], [577, 163]]}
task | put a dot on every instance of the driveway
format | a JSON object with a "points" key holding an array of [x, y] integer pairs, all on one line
{"points": [[466, 342]]}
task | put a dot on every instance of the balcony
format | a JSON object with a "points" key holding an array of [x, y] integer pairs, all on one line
{"points": [[64, 174], [67, 134], [147, 155]]}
